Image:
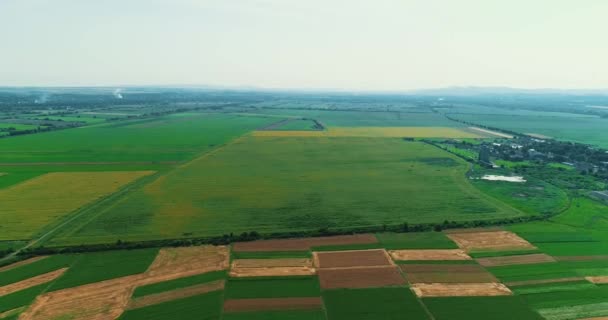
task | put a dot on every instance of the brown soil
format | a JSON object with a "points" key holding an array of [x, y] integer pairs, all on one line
{"points": [[346, 259], [360, 277], [107, 299], [31, 282], [598, 318], [492, 240], [303, 244], [21, 263], [527, 282], [441, 254], [598, 279], [271, 267], [176, 294], [460, 289], [513, 260], [439, 273], [241, 305], [581, 258]]}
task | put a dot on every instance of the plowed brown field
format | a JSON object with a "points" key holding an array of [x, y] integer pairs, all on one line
{"points": [[303, 244], [439, 273], [491, 240], [345, 259], [430, 254], [360, 277]]}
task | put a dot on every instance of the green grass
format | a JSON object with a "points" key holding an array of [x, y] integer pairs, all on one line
{"points": [[94, 267], [270, 254], [33, 269], [201, 307], [553, 270], [490, 254], [422, 240], [384, 303], [553, 287], [296, 184], [557, 299], [244, 288], [168, 138], [465, 308], [178, 283], [87, 120], [584, 311], [276, 315], [20, 298], [17, 126]]}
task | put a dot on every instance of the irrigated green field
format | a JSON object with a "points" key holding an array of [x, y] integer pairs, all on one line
{"points": [[291, 184]]}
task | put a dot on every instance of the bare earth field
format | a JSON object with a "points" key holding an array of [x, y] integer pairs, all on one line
{"points": [[598, 279], [303, 244], [493, 240], [190, 260], [176, 294], [264, 304], [271, 267], [429, 254], [369, 277], [513, 260], [345, 259], [460, 289], [440, 273]]}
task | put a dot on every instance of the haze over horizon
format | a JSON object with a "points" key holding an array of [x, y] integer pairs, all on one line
{"points": [[385, 45]]}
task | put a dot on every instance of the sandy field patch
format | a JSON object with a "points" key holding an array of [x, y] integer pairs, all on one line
{"points": [[543, 281], [513, 260], [243, 305], [460, 289], [190, 260], [11, 312], [176, 294], [429, 254], [440, 273], [31, 282], [598, 279], [302, 244], [492, 240], [360, 277], [271, 267], [21, 263], [355, 258]]}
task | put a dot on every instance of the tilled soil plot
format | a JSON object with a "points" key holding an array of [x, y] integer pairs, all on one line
{"points": [[460, 289], [360, 277], [439, 273], [346, 259], [190, 260], [492, 240], [303, 244], [513, 260], [264, 304], [271, 267], [31, 282], [429, 255]]}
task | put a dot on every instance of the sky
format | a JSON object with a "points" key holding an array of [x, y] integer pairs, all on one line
{"points": [[368, 45]]}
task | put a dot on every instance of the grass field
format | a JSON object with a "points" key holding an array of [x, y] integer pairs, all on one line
{"points": [[277, 315], [465, 308], [245, 288], [28, 207], [178, 283], [385, 303], [94, 267], [299, 124], [291, 184], [36, 268], [204, 307], [168, 138], [20, 298], [377, 132]]}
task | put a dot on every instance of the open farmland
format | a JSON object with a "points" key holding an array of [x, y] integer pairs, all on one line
{"points": [[28, 207], [290, 184], [377, 132]]}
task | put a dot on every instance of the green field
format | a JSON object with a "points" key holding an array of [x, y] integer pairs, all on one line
{"points": [[94, 267], [277, 315], [385, 303], [495, 308], [299, 124], [245, 288], [421, 240], [205, 307], [178, 283], [36, 268], [292, 184], [20, 298]]}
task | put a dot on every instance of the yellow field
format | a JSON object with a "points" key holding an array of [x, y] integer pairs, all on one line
{"points": [[380, 132], [29, 206]]}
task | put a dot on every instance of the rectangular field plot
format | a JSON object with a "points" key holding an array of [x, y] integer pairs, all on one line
{"points": [[418, 240], [490, 240], [261, 304], [304, 244], [446, 273], [294, 185], [277, 315], [27, 207], [378, 132], [272, 287], [377, 303], [271, 267], [351, 278], [460, 289], [465, 308], [516, 259], [429, 255], [205, 306], [345, 259]]}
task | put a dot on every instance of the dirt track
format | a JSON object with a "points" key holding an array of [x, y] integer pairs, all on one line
{"points": [[175, 294], [21, 263], [31, 282]]}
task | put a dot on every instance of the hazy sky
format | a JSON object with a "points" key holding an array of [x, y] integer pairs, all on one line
{"points": [[350, 44]]}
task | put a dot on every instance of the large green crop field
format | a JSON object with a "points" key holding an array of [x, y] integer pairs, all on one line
{"points": [[290, 184]]}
